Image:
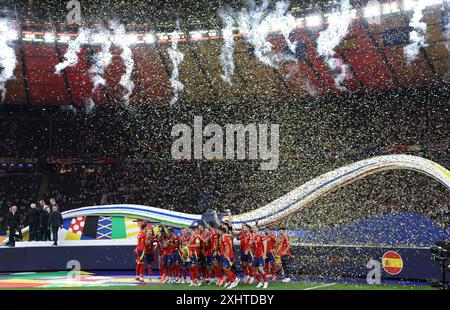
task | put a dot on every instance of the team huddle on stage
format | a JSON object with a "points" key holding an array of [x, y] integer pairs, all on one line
{"points": [[207, 253]]}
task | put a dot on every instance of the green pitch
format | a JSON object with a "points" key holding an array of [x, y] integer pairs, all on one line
{"points": [[272, 286], [62, 280]]}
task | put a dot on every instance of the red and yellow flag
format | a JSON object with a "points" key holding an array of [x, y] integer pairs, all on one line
{"points": [[392, 262]]}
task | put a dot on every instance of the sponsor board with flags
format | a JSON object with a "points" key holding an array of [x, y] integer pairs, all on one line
{"points": [[104, 229], [99, 228]]}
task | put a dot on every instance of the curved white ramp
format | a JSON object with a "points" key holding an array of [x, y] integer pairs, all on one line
{"points": [[293, 201], [284, 206]]}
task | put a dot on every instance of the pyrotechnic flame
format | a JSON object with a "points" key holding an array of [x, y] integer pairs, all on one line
{"points": [[418, 35], [177, 58], [73, 49], [256, 23], [8, 59], [227, 54], [338, 27], [102, 60], [120, 40]]}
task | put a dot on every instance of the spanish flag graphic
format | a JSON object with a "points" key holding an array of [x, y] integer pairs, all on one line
{"points": [[392, 262]]}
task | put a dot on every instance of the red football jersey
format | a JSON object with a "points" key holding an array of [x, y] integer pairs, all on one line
{"points": [[214, 240], [149, 244], [259, 245], [175, 243], [185, 238], [226, 242], [207, 246], [245, 240], [141, 241], [271, 243], [165, 247], [285, 248], [193, 241]]}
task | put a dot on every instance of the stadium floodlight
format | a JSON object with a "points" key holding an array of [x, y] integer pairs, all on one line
{"points": [[434, 2], [149, 38], [49, 37], [372, 10], [300, 22], [29, 37], [131, 39], [163, 36], [390, 7], [64, 38], [196, 35], [313, 20], [409, 5], [99, 38]]}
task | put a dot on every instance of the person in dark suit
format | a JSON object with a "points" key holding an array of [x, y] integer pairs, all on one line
{"points": [[55, 222], [13, 225], [34, 216], [41, 208], [44, 220]]}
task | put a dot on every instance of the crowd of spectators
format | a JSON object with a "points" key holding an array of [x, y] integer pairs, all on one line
{"points": [[315, 137], [20, 190]]}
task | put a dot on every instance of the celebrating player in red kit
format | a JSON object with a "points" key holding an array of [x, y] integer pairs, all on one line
{"points": [[194, 247], [140, 253], [284, 251], [166, 253], [245, 238], [271, 265], [149, 253], [213, 260], [227, 257], [260, 255], [184, 238], [175, 257]]}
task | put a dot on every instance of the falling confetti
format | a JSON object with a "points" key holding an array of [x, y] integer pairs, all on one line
{"points": [[338, 26]]}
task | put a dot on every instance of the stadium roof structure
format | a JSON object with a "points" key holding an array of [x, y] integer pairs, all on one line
{"points": [[373, 52]]}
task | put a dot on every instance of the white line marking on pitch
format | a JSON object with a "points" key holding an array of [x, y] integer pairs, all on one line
{"points": [[319, 286]]}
